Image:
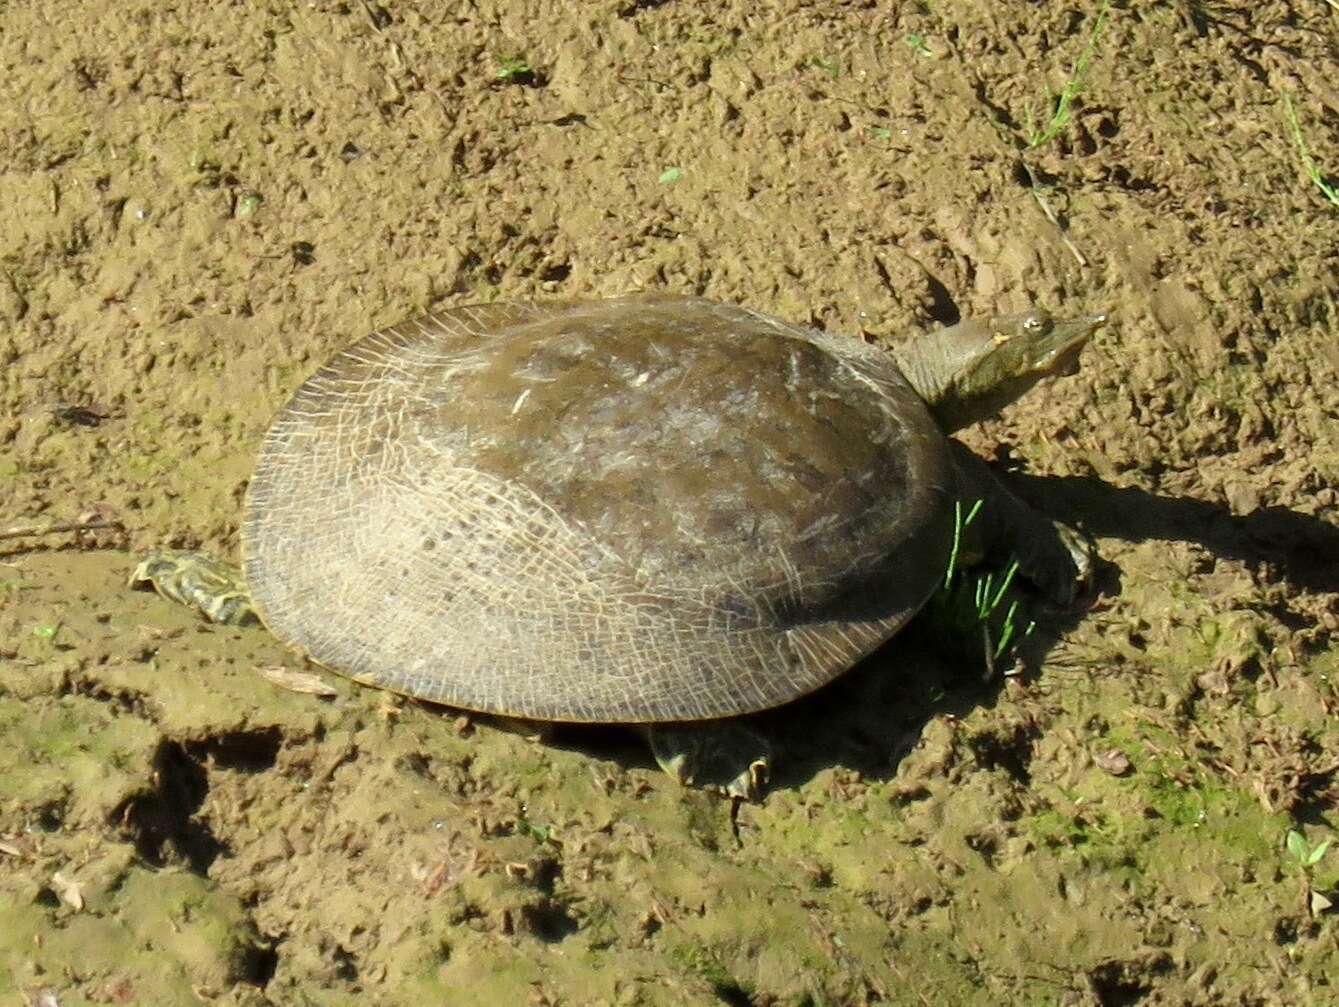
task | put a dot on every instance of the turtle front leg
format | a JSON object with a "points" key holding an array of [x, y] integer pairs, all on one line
{"points": [[1055, 557], [209, 586], [717, 755]]}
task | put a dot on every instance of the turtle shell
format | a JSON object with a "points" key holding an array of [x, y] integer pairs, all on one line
{"points": [[651, 508]]}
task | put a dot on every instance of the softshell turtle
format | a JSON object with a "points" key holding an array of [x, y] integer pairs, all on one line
{"points": [[653, 510]]}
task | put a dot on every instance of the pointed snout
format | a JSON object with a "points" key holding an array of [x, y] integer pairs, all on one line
{"points": [[1068, 336]]}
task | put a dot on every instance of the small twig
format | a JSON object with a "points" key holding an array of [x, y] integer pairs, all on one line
{"points": [[989, 646], [907, 982], [1079, 257], [58, 528], [375, 18]]}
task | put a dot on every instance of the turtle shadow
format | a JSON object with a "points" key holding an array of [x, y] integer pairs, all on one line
{"points": [[867, 720], [1297, 548], [871, 718]]}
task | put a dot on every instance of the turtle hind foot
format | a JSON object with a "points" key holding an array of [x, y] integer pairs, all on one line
{"points": [[211, 587], [717, 755]]}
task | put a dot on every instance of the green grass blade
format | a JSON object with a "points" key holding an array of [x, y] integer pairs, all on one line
{"points": [[1060, 117], [1309, 165]]}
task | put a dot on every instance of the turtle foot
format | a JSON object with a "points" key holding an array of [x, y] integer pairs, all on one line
{"points": [[214, 589], [719, 755], [1059, 562], [1056, 558]]}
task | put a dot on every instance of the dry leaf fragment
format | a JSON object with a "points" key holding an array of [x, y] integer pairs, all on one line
{"points": [[70, 891], [42, 996], [1113, 761], [297, 681]]}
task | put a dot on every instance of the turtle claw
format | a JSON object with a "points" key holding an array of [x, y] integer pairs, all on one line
{"points": [[1059, 564], [1082, 552], [720, 756]]}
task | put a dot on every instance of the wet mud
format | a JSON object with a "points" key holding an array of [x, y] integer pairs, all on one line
{"points": [[199, 203]]}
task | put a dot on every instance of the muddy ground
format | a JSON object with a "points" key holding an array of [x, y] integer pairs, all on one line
{"points": [[199, 202]]}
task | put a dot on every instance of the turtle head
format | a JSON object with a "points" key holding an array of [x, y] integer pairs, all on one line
{"points": [[972, 370]]}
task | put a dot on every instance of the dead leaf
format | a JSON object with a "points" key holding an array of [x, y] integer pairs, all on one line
{"points": [[297, 681], [70, 891], [118, 989], [1113, 761], [1319, 903], [1213, 682]]}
